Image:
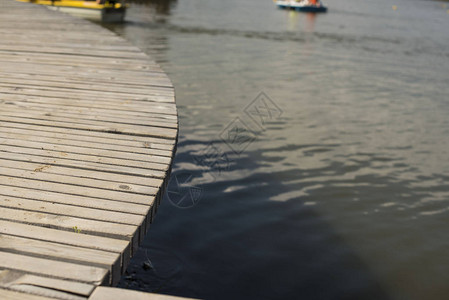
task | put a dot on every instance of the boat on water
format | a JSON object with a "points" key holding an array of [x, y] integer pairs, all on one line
{"points": [[313, 6], [102, 10]]}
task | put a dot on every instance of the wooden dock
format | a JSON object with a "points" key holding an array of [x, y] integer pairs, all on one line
{"points": [[88, 130]]}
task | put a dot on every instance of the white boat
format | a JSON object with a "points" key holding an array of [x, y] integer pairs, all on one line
{"points": [[304, 6]]}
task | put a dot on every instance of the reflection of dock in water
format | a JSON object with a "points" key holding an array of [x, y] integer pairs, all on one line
{"points": [[161, 6]]}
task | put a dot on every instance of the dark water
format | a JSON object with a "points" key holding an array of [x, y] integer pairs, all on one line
{"points": [[339, 187]]}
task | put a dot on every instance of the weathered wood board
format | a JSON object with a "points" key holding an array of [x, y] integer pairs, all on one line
{"points": [[106, 293]]}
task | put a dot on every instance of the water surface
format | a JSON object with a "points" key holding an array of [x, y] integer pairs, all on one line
{"points": [[340, 193]]}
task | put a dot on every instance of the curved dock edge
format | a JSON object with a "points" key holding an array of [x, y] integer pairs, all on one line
{"points": [[88, 133]]}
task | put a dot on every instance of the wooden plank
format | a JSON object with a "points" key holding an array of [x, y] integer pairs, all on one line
{"points": [[65, 74], [154, 102], [88, 158], [55, 138], [108, 127], [99, 137], [43, 36], [67, 238], [81, 201], [124, 76], [11, 168], [53, 268], [54, 251], [92, 227], [160, 85], [83, 115], [69, 50], [82, 207], [13, 295], [124, 47], [73, 163], [77, 101], [149, 146], [122, 108], [13, 279], [71, 210], [73, 189], [44, 286], [151, 93], [124, 182], [97, 152], [107, 293], [139, 62], [112, 64]]}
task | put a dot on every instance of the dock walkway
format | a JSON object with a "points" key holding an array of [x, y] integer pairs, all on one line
{"points": [[88, 129]]}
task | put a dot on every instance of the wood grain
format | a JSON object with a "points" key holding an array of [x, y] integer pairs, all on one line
{"points": [[88, 131]]}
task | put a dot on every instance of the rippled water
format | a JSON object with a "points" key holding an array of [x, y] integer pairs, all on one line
{"points": [[342, 196]]}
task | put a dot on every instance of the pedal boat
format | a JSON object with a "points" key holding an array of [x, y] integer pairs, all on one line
{"points": [[105, 11], [303, 6]]}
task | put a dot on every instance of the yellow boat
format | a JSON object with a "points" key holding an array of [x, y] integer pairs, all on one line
{"points": [[104, 10]]}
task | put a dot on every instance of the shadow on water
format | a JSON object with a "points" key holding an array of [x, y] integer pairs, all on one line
{"points": [[237, 244]]}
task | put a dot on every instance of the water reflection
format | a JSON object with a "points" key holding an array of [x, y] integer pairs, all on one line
{"points": [[162, 7], [346, 198], [310, 27]]}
